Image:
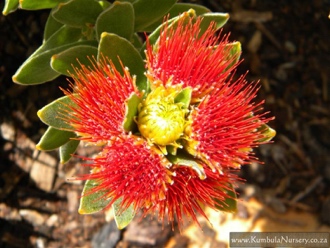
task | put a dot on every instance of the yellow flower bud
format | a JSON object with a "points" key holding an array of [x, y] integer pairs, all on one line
{"points": [[161, 121]]}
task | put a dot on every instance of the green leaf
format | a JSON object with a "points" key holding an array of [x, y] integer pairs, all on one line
{"points": [[136, 41], [92, 202], [186, 160], [77, 13], [39, 4], [37, 69], [268, 133], [153, 37], [54, 138], [122, 217], [129, 1], [119, 49], [66, 61], [184, 97], [67, 150], [220, 20], [104, 4], [118, 19], [230, 203], [52, 26], [235, 50], [54, 113], [65, 35], [10, 6], [176, 10], [149, 11], [132, 104]]}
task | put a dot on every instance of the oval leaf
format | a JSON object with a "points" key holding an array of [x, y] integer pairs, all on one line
{"points": [[176, 10], [40, 4], [77, 13], [122, 217], [66, 61], [113, 47], [118, 19], [54, 138], [219, 19], [54, 113], [153, 37], [52, 26], [37, 69], [10, 6], [235, 50], [65, 35], [67, 150], [92, 202], [149, 11]]}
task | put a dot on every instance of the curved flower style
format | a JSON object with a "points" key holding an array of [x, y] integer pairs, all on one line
{"points": [[170, 149]]}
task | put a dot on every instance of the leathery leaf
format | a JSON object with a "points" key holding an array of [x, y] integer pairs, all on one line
{"points": [[122, 217], [54, 113], [92, 202], [54, 138]]}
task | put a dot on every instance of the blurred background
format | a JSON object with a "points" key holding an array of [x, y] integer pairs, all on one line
{"points": [[285, 46]]}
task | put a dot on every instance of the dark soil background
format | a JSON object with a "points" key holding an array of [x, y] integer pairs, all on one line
{"points": [[285, 46]]}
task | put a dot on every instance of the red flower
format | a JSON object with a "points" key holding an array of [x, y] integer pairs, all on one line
{"points": [[100, 95], [131, 169], [185, 56], [192, 128]]}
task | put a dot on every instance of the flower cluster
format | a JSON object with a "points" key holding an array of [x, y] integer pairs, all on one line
{"points": [[171, 148]]}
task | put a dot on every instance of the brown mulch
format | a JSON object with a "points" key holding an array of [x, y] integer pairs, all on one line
{"points": [[285, 46]]}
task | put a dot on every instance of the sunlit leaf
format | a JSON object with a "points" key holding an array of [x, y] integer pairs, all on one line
{"points": [[92, 202], [235, 50], [149, 11], [52, 26], [66, 61], [67, 150], [114, 47], [65, 35], [117, 19], [153, 37], [37, 69], [39, 4], [54, 113], [54, 138], [176, 10], [10, 6], [219, 19], [122, 217], [77, 13], [268, 133]]}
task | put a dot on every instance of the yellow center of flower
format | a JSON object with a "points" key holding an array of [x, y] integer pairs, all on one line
{"points": [[160, 119]]}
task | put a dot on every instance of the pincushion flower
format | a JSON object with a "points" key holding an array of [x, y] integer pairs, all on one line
{"points": [[170, 149]]}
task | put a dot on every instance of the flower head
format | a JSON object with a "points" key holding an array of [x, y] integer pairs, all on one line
{"points": [[185, 134]]}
